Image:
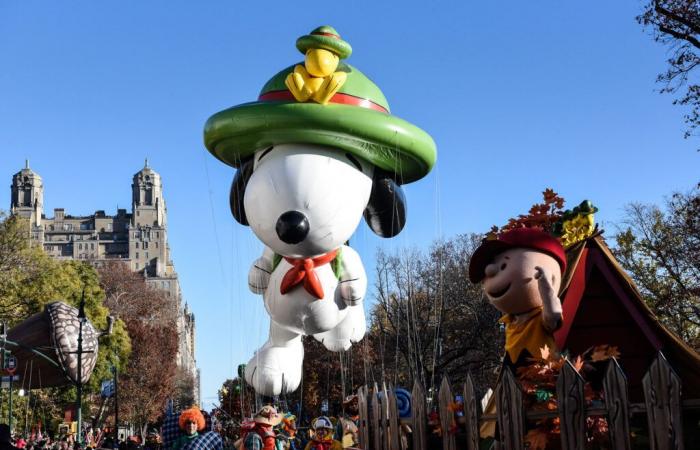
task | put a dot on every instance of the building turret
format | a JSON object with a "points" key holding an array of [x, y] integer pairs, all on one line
{"points": [[27, 195], [147, 197]]}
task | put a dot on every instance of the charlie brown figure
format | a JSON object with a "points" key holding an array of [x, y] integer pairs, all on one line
{"points": [[521, 270]]}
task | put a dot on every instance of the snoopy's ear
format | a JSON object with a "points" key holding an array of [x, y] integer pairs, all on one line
{"points": [[386, 211], [240, 181]]}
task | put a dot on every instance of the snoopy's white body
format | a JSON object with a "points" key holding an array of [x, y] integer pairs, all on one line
{"points": [[332, 193]]}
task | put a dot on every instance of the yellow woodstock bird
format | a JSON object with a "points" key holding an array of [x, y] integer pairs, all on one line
{"points": [[317, 79]]}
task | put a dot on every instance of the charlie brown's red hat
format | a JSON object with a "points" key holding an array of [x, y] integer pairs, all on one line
{"points": [[532, 238]]}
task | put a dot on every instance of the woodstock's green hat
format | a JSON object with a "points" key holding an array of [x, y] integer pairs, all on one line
{"points": [[327, 38], [356, 119]]}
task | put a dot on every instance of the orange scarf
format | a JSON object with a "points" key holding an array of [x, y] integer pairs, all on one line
{"points": [[303, 270]]}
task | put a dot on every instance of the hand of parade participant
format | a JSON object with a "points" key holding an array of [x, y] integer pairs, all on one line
{"points": [[551, 304]]}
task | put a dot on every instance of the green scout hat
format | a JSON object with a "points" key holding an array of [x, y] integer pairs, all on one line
{"points": [[327, 38], [357, 120]]}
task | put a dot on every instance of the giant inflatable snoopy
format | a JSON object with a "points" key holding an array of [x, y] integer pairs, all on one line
{"points": [[318, 151]]}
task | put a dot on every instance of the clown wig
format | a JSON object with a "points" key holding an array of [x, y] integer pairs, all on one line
{"points": [[192, 415]]}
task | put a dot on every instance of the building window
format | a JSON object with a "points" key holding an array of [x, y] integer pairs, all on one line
{"points": [[80, 246], [156, 244], [137, 255], [145, 245], [136, 245], [92, 246], [146, 255]]}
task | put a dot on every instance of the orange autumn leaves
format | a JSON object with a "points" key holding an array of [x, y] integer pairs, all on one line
{"points": [[542, 215], [538, 381]]}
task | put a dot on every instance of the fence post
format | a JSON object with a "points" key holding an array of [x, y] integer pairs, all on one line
{"points": [[447, 415], [384, 418], [616, 402], [509, 399], [376, 414], [393, 419], [364, 416], [419, 416], [662, 395], [572, 408], [471, 419]]}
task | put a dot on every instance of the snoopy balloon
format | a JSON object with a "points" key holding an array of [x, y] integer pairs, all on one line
{"points": [[317, 152]]}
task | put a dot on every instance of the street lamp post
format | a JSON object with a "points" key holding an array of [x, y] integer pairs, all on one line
{"points": [[79, 380], [116, 406]]}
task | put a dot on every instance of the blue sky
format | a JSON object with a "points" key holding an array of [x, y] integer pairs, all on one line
{"points": [[519, 96]]}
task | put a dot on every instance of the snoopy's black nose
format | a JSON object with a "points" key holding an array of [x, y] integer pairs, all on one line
{"points": [[292, 227]]}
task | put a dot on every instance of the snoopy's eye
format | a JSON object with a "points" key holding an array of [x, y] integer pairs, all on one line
{"points": [[265, 152], [503, 266], [354, 161]]}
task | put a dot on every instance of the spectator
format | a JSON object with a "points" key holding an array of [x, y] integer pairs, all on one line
{"points": [[5, 438]]}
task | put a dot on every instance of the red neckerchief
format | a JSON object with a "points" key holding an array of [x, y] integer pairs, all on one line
{"points": [[303, 270]]}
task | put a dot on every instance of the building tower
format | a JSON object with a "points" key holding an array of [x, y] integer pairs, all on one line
{"points": [[27, 195], [148, 244], [147, 193], [138, 238]]}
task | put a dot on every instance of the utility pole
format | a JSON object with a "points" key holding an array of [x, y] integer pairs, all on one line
{"points": [[79, 381], [10, 367], [116, 407], [3, 337], [10, 412]]}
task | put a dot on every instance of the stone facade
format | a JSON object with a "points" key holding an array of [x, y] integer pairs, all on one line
{"points": [[138, 238]]}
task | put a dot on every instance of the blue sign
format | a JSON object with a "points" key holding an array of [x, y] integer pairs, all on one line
{"points": [[107, 388]]}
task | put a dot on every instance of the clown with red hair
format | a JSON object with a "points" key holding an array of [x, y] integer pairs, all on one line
{"points": [[191, 423]]}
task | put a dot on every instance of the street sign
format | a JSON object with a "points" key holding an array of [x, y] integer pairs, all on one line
{"points": [[107, 388], [11, 364], [5, 381]]}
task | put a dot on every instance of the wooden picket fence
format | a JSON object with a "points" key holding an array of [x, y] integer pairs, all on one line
{"points": [[380, 427]]}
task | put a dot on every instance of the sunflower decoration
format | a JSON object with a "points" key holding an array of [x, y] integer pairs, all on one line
{"points": [[576, 225]]}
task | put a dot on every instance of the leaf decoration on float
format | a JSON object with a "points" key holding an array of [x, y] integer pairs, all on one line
{"points": [[570, 226], [539, 379]]}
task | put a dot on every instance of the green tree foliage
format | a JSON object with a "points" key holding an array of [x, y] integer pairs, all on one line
{"points": [[30, 279], [660, 249], [676, 24], [236, 403]]}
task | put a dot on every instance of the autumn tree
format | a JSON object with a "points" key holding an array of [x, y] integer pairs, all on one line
{"points": [[236, 404], [29, 280], [328, 377], [660, 249], [676, 24], [148, 378], [429, 320]]}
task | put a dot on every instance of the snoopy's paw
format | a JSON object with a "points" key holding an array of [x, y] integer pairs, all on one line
{"points": [[275, 370], [352, 291], [333, 342], [259, 276]]}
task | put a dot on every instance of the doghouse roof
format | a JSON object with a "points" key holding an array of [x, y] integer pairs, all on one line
{"points": [[602, 305]]}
